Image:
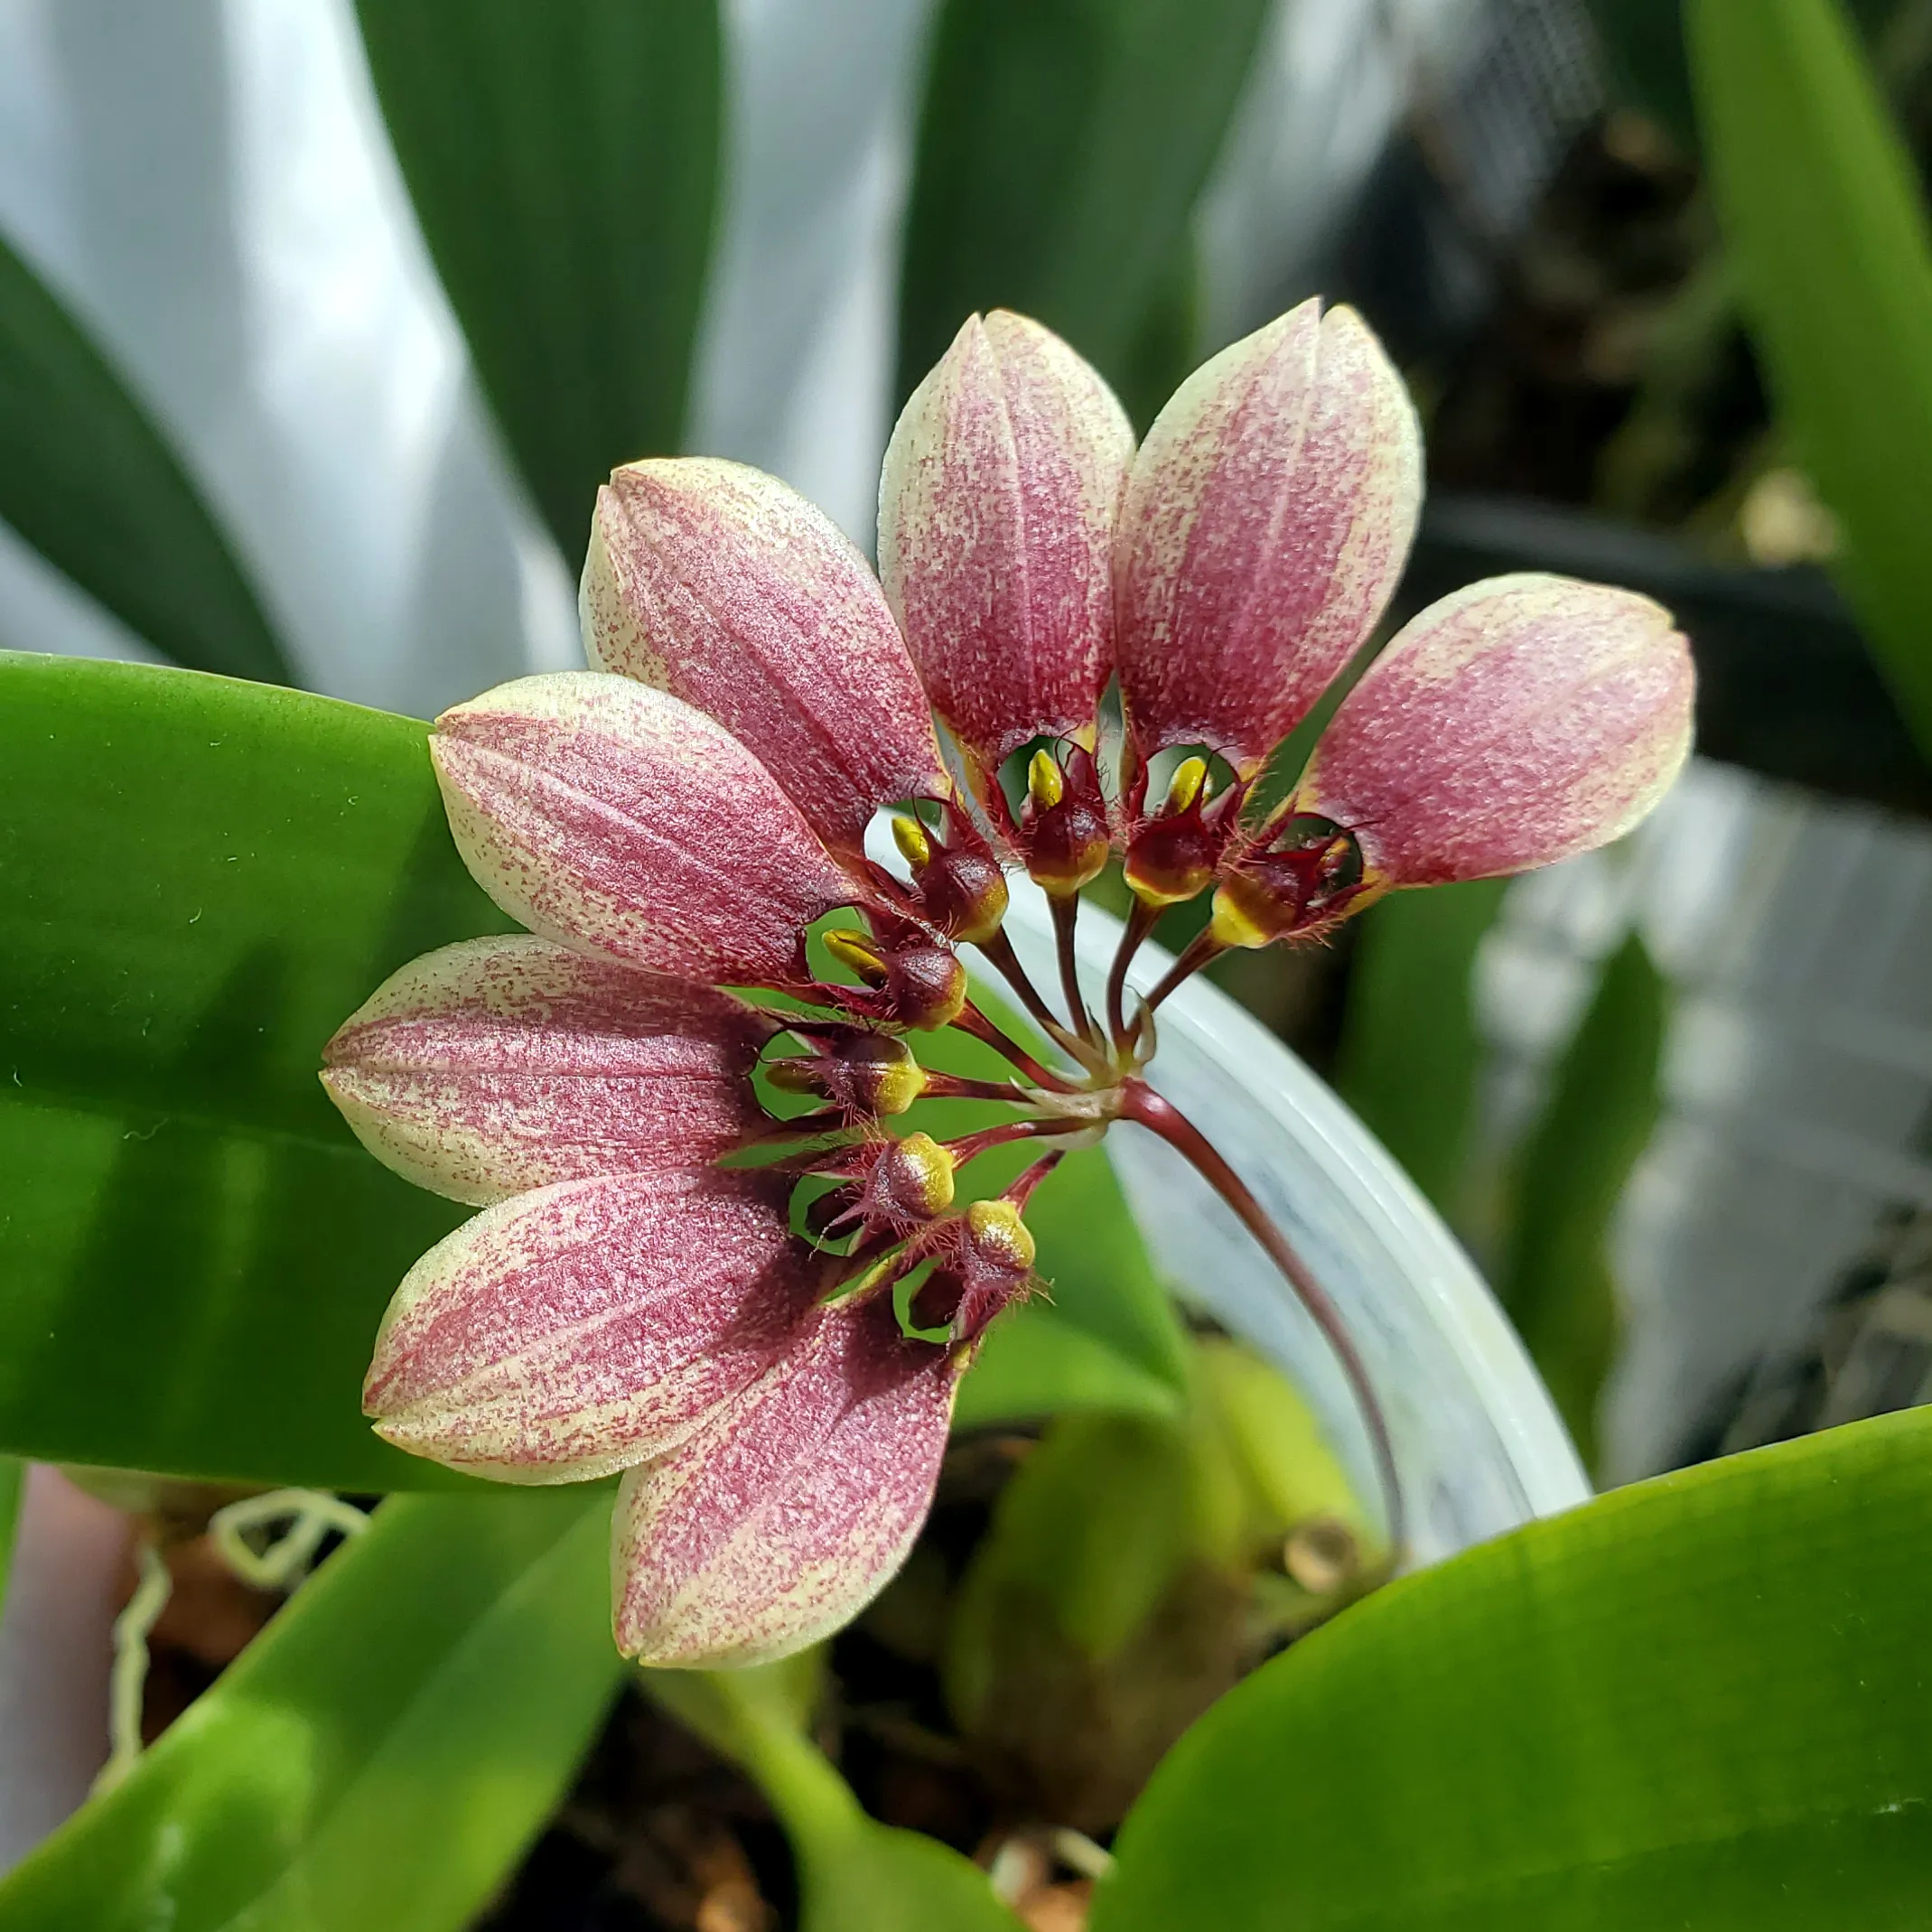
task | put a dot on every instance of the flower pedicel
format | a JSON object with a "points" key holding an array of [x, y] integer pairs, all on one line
{"points": [[674, 822]]}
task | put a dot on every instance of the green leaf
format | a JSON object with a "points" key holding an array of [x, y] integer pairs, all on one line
{"points": [[855, 1875], [1099, 1275], [1821, 207], [205, 878], [1602, 1107], [1086, 1538], [1061, 148], [880, 1879], [1643, 45], [1700, 1700], [1035, 1362], [1409, 1050], [90, 480], [564, 164], [1276, 1442], [379, 1757]]}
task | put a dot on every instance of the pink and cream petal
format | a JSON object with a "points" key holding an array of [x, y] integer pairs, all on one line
{"points": [[504, 1064], [724, 586], [616, 817], [571, 1332], [1264, 527], [996, 511], [1512, 724], [783, 1516]]}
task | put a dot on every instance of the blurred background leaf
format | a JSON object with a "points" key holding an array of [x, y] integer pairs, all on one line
{"points": [[1697, 1701], [1649, 69], [1411, 1051], [855, 1875], [1062, 145], [1554, 1278], [89, 479], [205, 878], [1822, 210], [1643, 46], [1035, 1361], [380, 1755], [564, 162]]}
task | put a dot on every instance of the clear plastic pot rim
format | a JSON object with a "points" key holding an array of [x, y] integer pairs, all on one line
{"points": [[1478, 1441]]}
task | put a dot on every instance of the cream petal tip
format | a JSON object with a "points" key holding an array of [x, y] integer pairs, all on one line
{"points": [[997, 503], [1518, 721], [791, 1508], [623, 820], [1265, 524], [724, 586], [576, 1330]]}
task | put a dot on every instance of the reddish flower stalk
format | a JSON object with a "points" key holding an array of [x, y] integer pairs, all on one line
{"points": [[1149, 1109], [1202, 950], [1141, 921], [677, 826], [1066, 911]]}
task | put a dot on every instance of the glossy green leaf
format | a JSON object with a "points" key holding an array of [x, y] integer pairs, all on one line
{"points": [[1821, 208], [564, 164], [1411, 1053], [203, 879], [1701, 1700], [855, 1875], [379, 1757], [1062, 145], [1602, 1107], [90, 480]]}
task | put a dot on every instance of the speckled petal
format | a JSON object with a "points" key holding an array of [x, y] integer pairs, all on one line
{"points": [[504, 1064], [572, 1331], [619, 818], [996, 512], [1515, 722], [788, 1511], [1265, 529], [724, 586]]}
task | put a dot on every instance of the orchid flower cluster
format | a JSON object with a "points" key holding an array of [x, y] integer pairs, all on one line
{"points": [[647, 1288]]}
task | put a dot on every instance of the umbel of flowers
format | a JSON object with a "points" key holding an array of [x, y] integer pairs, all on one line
{"points": [[645, 1289]]}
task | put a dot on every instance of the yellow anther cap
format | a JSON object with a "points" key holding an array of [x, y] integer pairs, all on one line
{"points": [[913, 841], [1001, 1235], [1044, 783], [855, 952], [1191, 775]]}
